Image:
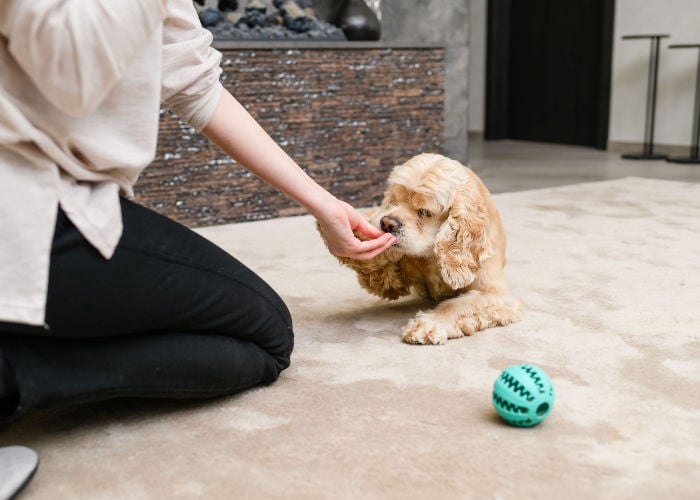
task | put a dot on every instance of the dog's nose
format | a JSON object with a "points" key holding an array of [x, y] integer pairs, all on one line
{"points": [[390, 225]]}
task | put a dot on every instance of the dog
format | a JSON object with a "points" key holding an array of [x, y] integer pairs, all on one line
{"points": [[450, 247]]}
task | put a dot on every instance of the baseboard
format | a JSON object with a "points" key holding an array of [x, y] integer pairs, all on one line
{"points": [[632, 147], [475, 135], [619, 146]]}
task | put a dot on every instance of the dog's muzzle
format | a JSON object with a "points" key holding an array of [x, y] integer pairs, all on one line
{"points": [[390, 225]]}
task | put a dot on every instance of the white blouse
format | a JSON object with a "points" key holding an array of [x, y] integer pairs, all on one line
{"points": [[81, 85]]}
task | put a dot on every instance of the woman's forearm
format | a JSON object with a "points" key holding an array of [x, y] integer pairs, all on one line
{"points": [[235, 131]]}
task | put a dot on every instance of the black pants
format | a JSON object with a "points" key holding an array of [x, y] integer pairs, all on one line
{"points": [[169, 315]]}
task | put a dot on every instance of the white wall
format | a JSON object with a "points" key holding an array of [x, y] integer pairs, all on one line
{"points": [[677, 69], [477, 64]]}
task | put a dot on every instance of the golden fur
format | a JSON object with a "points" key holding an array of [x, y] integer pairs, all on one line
{"points": [[450, 248]]}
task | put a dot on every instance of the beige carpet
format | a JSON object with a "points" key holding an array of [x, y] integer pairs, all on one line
{"points": [[610, 273]]}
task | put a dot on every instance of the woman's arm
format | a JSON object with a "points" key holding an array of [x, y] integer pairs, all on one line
{"points": [[241, 137]]}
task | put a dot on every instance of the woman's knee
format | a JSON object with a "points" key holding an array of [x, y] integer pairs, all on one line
{"points": [[252, 311], [280, 333]]}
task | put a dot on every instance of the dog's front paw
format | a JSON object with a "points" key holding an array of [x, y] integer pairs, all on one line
{"points": [[424, 331]]}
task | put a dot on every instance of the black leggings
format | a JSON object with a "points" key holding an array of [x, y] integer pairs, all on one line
{"points": [[169, 315]]}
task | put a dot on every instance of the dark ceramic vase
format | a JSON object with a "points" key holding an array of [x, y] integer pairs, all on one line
{"points": [[358, 21]]}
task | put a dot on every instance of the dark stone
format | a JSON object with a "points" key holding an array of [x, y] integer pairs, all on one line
{"points": [[299, 24], [254, 18], [210, 17], [227, 5]]}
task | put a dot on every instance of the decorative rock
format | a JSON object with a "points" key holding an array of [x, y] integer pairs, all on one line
{"points": [[210, 17], [267, 20], [255, 15], [256, 6], [233, 17], [294, 16], [227, 5]]}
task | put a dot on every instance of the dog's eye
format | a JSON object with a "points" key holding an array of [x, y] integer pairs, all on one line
{"points": [[422, 212]]}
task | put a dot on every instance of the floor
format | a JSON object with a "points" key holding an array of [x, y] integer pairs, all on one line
{"points": [[597, 443], [610, 287], [515, 165]]}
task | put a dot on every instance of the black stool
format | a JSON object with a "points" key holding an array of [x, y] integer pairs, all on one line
{"points": [[695, 139], [648, 149]]}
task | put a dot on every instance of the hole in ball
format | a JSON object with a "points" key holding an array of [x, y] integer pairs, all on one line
{"points": [[542, 409]]}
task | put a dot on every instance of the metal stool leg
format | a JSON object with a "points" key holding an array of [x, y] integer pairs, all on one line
{"points": [[652, 83], [695, 137]]}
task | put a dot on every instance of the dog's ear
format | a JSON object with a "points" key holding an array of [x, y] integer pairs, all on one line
{"points": [[462, 242]]}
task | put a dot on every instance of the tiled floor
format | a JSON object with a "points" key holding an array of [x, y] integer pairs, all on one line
{"points": [[515, 165]]}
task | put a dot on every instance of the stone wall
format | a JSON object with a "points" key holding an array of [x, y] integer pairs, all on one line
{"points": [[346, 115], [443, 22]]}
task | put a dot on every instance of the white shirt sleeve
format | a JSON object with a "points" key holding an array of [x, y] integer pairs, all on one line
{"points": [[76, 51], [191, 67]]}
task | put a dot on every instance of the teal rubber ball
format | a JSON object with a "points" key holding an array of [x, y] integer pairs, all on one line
{"points": [[523, 395]]}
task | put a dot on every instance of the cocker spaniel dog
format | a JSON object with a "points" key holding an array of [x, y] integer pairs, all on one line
{"points": [[450, 248]]}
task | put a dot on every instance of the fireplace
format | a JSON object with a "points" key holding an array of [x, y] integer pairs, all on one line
{"points": [[347, 112]]}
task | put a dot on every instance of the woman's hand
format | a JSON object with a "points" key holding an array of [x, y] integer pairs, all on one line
{"points": [[338, 224]]}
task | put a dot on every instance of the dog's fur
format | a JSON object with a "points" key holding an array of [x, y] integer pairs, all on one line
{"points": [[450, 248]]}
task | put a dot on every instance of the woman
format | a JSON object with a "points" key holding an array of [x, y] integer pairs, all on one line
{"points": [[101, 297]]}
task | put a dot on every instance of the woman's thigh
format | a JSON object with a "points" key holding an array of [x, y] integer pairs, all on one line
{"points": [[162, 277]]}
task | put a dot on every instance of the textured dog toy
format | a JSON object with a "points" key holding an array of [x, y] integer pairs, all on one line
{"points": [[523, 395]]}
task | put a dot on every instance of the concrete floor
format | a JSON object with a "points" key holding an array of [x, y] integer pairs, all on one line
{"points": [[517, 165]]}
